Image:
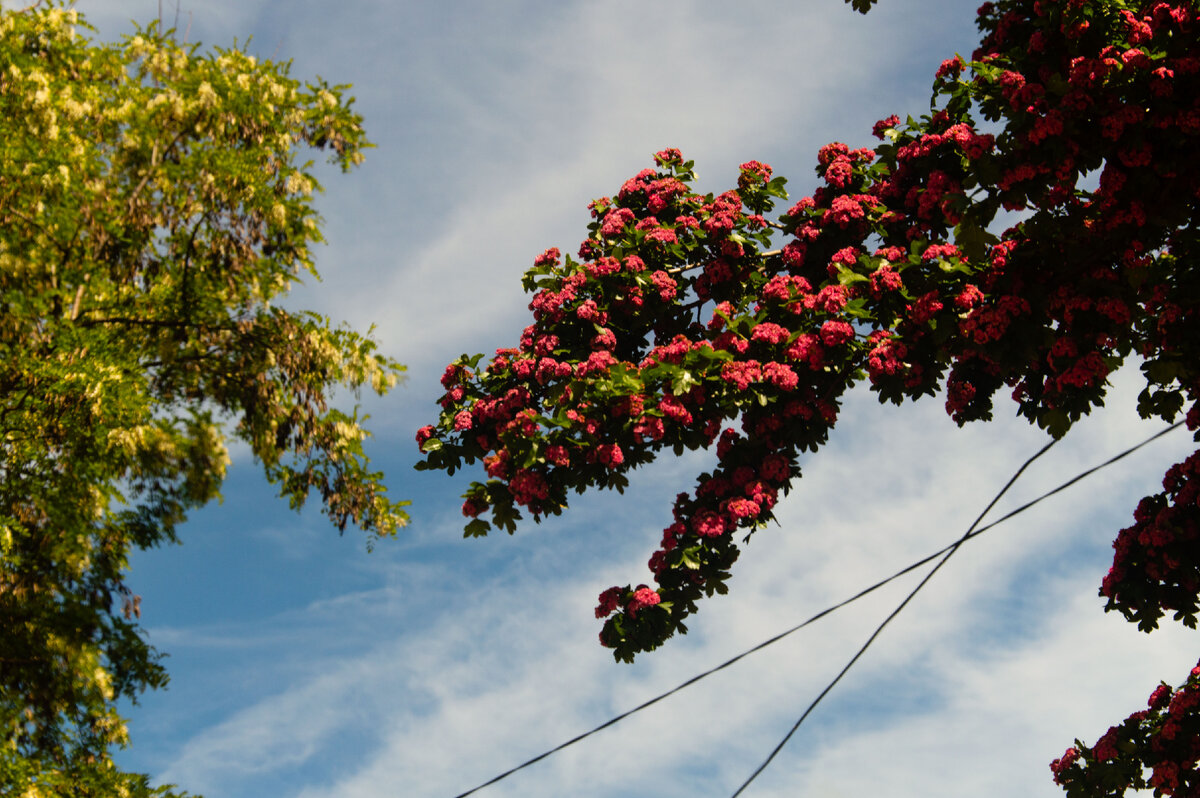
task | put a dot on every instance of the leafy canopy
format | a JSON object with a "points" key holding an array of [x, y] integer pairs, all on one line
{"points": [[154, 206]]}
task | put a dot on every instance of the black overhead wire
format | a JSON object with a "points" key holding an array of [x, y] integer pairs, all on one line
{"points": [[862, 650], [949, 552], [946, 550]]}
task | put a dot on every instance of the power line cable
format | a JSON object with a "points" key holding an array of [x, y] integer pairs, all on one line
{"points": [[879, 629], [949, 552], [818, 616]]}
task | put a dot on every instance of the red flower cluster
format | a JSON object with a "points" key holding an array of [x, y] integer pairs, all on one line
{"points": [[1163, 739], [1155, 568]]}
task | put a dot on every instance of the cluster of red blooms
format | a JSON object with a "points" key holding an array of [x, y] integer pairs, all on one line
{"points": [[1162, 740], [680, 327]]}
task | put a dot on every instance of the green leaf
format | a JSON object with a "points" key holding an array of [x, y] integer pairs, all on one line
{"points": [[683, 382], [477, 528], [973, 240], [847, 276]]}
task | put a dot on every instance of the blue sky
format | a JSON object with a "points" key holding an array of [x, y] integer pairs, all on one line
{"points": [[304, 666]]}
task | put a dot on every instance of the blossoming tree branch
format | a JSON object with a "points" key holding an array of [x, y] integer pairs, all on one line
{"points": [[692, 320]]}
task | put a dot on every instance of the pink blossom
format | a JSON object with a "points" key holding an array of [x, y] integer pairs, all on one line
{"points": [[548, 258], [743, 508], [674, 409], [657, 562], [781, 376], [935, 251], [741, 373], [759, 172], [834, 333], [885, 124], [717, 271], [839, 172], [924, 308], [665, 284], [609, 454], [832, 152], [721, 313], [770, 333], [719, 224], [638, 182], [589, 311], [473, 507], [741, 475], [605, 339], [599, 361], [951, 67], [800, 207], [662, 235], [615, 221], [846, 255], [885, 279], [729, 437], [497, 465], [673, 352], [668, 157], [830, 299], [732, 249], [775, 468], [959, 394], [843, 210], [609, 600], [886, 358], [558, 455], [628, 405], [1063, 763], [650, 427], [603, 266], [708, 524], [452, 374], [642, 597], [1086, 371], [1105, 749], [528, 486], [807, 349], [545, 345], [781, 286], [968, 298]]}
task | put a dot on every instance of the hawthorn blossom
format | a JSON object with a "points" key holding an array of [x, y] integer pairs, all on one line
{"points": [[642, 597]]}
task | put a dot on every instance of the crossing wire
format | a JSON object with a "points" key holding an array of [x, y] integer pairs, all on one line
{"points": [[949, 552], [946, 550]]}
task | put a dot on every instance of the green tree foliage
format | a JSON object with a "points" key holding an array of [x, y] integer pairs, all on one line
{"points": [[153, 207], [695, 321]]}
